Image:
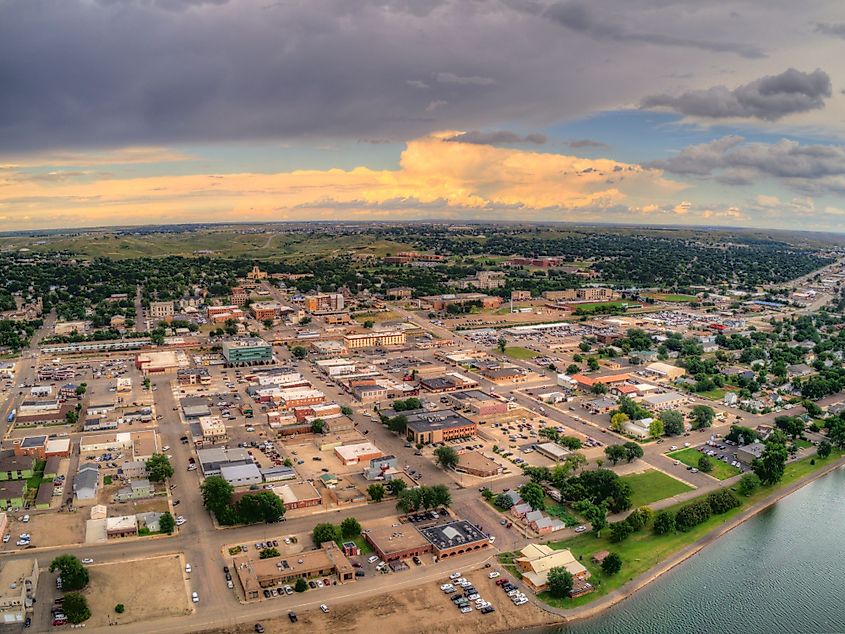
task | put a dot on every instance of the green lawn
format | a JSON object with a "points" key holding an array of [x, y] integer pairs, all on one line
{"points": [[690, 456], [652, 485], [669, 297], [644, 550], [716, 394], [366, 549], [588, 306], [517, 352]]}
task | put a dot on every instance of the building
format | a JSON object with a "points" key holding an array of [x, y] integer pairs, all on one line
{"points": [[477, 464], [239, 296], [12, 493], [222, 314], [382, 468], [396, 543], [213, 459], [400, 292], [484, 280], [587, 383], [537, 560], [242, 475], [247, 352], [638, 428], [748, 453], [137, 490], [265, 310], [194, 407], [323, 303], [134, 469], [359, 452], [299, 397], [122, 526], [99, 443], [278, 474], [256, 274], [438, 426], [374, 339], [449, 382], [520, 296], [35, 446], [298, 495], [552, 450], [161, 311], [18, 586], [158, 362], [86, 481], [257, 574], [13, 467], [213, 429], [193, 376], [442, 302], [665, 370], [479, 403], [454, 538], [660, 402]]}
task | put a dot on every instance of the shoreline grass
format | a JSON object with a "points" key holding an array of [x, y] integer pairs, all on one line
{"points": [[652, 486]]}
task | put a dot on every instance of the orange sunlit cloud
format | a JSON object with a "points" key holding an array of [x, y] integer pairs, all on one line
{"points": [[433, 174]]}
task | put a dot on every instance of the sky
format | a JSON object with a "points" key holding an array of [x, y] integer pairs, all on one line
{"points": [[135, 112]]}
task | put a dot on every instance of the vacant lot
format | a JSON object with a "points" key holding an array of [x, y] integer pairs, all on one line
{"points": [[148, 588], [690, 457], [652, 485], [50, 529]]}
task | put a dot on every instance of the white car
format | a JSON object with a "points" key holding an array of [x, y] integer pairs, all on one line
{"points": [[324, 608], [374, 558], [447, 586], [87, 561], [493, 574], [25, 519], [6, 538], [581, 529], [453, 576], [187, 568], [195, 597], [673, 447]]}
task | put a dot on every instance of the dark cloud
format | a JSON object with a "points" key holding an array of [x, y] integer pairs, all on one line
{"points": [[582, 17], [498, 137], [815, 169], [587, 143], [472, 80], [769, 98], [836, 29]]}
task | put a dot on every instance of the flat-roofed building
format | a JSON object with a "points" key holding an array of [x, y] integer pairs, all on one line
{"points": [[393, 543], [299, 396], [660, 402], [479, 402], [193, 376], [158, 362], [665, 370], [97, 443], [211, 460], [18, 586], [121, 526], [213, 429], [374, 339], [161, 311], [257, 574], [241, 475], [359, 452], [298, 495], [477, 464], [265, 310], [454, 538], [247, 352], [552, 450], [438, 426], [31, 446]]}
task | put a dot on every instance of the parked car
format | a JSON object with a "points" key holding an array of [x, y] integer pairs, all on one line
{"points": [[195, 597], [324, 608]]}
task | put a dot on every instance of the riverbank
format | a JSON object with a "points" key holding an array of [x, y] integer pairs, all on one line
{"points": [[743, 515]]}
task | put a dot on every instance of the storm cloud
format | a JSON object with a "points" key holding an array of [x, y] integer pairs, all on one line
{"points": [[498, 137], [769, 98]]}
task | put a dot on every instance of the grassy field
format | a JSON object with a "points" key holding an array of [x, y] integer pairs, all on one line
{"points": [[689, 457], [716, 394], [652, 485], [366, 549], [669, 297], [644, 550], [517, 352]]}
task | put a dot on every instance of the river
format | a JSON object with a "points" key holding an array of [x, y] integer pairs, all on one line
{"points": [[783, 571]]}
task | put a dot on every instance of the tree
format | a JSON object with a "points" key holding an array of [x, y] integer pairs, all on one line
{"points": [[407, 405], [618, 420], [611, 564], [570, 442], [560, 582], [81, 389], [639, 518], [673, 422], [705, 464], [619, 531], [216, 494], [71, 417], [502, 344], [770, 466], [299, 352], [593, 365], [166, 523], [632, 451], [369, 323], [791, 425], [376, 492], [159, 468], [75, 607], [318, 425], [748, 484], [446, 457], [268, 553], [324, 532], [572, 369], [74, 575], [440, 495], [836, 432], [301, 585], [702, 416], [722, 501], [346, 410], [615, 453], [395, 486], [350, 527], [664, 523], [260, 507], [824, 449], [268, 323], [533, 495], [655, 428], [595, 514], [692, 514], [503, 501], [120, 608]]}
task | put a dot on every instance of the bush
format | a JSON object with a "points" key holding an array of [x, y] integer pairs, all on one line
{"points": [[705, 464], [664, 523], [722, 501], [619, 531], [503, 501], [611, 564], [268, 553], [639, 518], [692, 515], [300, 585], [119, 608], [76, 607]]}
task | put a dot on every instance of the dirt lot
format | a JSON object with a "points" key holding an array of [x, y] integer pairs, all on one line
{"points": [[50, 529], [149, 588], [421, 609]]}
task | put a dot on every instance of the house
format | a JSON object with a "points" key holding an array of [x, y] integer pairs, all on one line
{"points": [[122, 526], [537, 560], [137, 489], [600, 405], [134, 469], [16, 467], [86, 480], [520, 510], [12, 493], [150, 521], [44, 496], [638, 428]]}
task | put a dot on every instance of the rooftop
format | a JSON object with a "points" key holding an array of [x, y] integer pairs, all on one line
{"points": [[453, 534]]}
